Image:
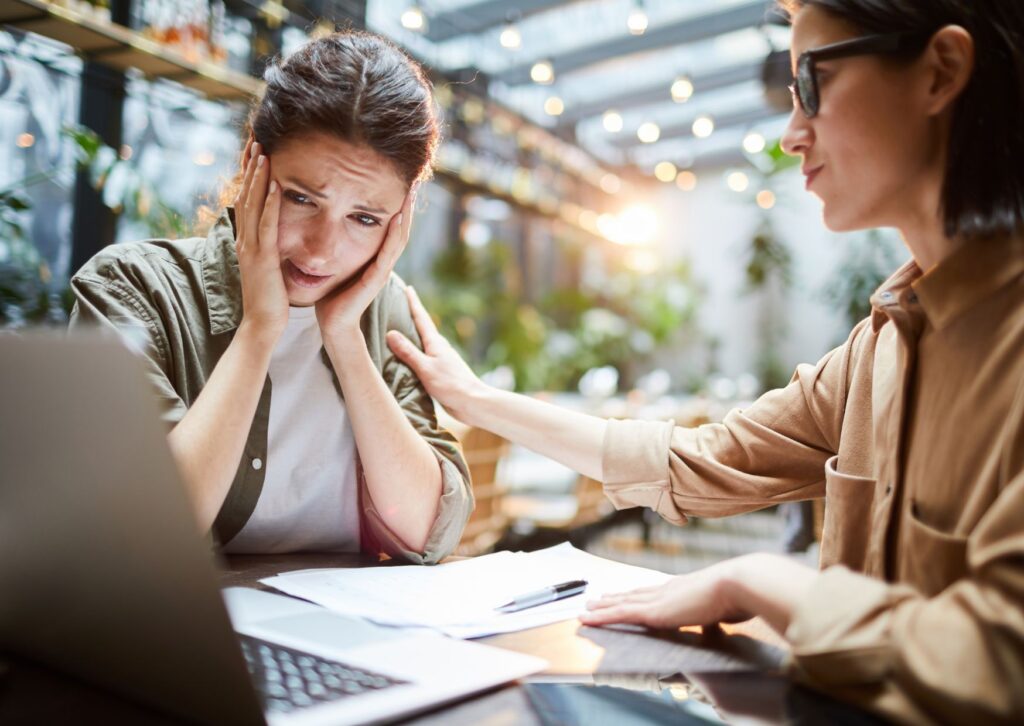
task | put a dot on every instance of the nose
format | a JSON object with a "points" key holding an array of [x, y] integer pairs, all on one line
{"points": [[320, 241], [798, 136]]}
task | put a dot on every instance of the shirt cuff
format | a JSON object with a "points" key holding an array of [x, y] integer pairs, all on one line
{"points": [[840, 633], [635, 465]]}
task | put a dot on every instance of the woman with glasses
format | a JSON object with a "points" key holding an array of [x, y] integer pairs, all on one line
{"points": [[909, 115]]}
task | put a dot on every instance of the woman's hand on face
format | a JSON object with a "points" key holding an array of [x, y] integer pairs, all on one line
{"points": [[340, 311], [442, 371], [769, 586], [257, 208]]}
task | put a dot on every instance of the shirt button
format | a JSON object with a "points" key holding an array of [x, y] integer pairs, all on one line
{"points": [[257, 464], [888, 489]]}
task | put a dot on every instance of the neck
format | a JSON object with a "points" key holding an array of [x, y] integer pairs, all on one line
{"points": [[927, 242]]}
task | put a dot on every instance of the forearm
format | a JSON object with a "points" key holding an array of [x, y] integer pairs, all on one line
{"points": [[402, 473], [208, 442], [569, 437]]}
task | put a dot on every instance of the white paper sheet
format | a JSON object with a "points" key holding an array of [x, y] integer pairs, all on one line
{"points": [[459, 598]]}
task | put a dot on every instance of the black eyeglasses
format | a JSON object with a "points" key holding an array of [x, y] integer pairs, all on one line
{"points": [[805, 87]]}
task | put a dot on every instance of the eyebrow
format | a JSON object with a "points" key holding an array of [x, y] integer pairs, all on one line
{"points": [[317, 191]]}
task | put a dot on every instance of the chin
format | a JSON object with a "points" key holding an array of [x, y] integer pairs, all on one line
{"points": [[838, 221]]}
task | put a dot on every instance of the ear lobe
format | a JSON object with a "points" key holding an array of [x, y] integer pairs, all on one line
{"points": [[951, 57]]}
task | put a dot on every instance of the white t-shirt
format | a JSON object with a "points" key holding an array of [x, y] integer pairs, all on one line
{"points": [[310, 497]]}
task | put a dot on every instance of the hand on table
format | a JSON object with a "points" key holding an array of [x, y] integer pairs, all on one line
{"points": [[769, 586]]}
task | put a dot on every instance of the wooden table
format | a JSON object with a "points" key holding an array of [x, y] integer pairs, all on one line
{"points": [[736, 668], [740, 664]]}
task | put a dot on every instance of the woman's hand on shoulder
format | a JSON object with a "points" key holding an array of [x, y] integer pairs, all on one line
{"points": [[339, 313], [439, 367], [257, 208]]}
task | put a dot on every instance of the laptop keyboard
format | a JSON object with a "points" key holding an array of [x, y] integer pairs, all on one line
{"points": [[290, 679]]}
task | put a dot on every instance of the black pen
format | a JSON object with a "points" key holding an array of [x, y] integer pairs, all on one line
{"points": [[544, 596]]}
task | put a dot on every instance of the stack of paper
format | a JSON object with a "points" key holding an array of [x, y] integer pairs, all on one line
{"points": [[460, 598]]}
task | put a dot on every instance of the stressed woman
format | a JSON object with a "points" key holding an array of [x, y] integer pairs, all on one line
{"points": [[294, 426], [907, 115]]}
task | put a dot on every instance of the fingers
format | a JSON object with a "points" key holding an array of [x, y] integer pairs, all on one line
{"points": [[256, 198], [406, 351], [424, 323], [633, 614], [241, 200], [268, 220]]}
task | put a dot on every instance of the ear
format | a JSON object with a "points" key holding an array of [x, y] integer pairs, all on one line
{"points": [[950, 61]]}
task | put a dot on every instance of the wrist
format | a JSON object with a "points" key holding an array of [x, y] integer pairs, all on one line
{"points": [[475, 402], [259, 338]]}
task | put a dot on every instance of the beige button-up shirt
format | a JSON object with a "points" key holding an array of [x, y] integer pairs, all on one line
{"points": [[913, 432]]}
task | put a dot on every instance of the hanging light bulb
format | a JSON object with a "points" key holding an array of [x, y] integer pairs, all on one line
{"points": [[665, 171], [554, 106], [542, 72], [682, 89], [414, 19], [637, 20], [648, 132], [703, 127], [612, 121], [510, 37], [754, 143]]}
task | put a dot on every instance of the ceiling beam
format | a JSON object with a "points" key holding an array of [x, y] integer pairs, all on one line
{"points": [[690, 30], [683, 130], [647, 95], [481, 16]]}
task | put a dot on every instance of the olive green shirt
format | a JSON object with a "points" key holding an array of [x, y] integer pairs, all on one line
{"points": [[185, 295]]}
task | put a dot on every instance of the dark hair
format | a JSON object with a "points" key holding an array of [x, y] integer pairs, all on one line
{"points": [[983, 188]]}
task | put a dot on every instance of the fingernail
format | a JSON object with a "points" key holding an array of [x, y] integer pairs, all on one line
{"points": [[259, 162], [273, 186], [400, 216]]}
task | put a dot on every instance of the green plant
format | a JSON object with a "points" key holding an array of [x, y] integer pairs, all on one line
{"points": [[867, 261], [28, 292]]}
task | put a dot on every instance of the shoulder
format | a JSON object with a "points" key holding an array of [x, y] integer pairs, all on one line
{"points": [[127, 259], [145, 265]]}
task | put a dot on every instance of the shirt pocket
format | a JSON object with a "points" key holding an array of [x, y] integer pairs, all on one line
{"points": [[849, 500], [932, 559]]}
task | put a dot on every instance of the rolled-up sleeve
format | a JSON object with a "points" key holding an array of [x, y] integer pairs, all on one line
{"points": [[456, 501], [772, 452]]}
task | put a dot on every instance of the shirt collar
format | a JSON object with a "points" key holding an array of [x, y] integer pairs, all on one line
{"points": [[221, 280], [973, 272], [891, 292]]}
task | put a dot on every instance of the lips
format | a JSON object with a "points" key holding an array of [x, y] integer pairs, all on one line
{"points": [[304, 277], [811, 175]]}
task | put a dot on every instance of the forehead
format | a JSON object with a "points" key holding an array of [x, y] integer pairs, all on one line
{"points": [[337, 168], [814, 27]]}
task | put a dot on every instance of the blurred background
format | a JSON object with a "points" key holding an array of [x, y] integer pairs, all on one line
{"points": [[611, 222]]}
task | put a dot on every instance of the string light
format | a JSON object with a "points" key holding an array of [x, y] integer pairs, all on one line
{"points": [[510, 37], [648, 132], [687, 181], [637, 20], [542, 72], [682, 89], [665, 171], [765, 199], [754, 143], [612, 121], [554, 106], [25, 140], [738, 181], [703, 127], [414, 19]]}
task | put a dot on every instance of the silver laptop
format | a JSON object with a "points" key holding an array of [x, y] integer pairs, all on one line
{"points": [[104, 575]]}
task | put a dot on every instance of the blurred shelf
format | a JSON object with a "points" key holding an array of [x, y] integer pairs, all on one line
{"points": [[120, 48]]}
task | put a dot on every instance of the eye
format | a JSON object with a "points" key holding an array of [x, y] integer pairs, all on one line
{"points": [[294, 197], [365, 220]]}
